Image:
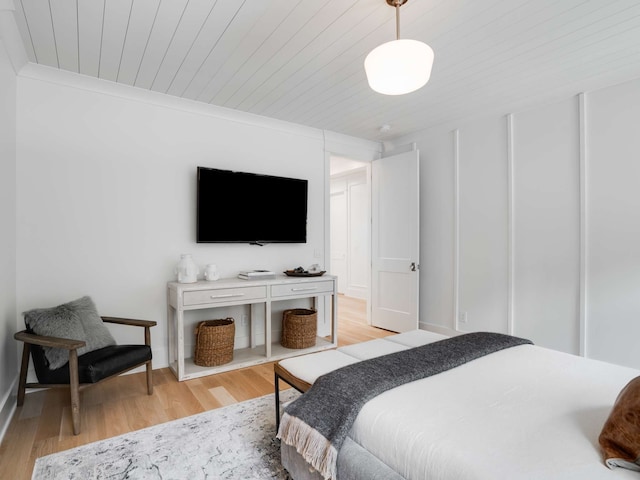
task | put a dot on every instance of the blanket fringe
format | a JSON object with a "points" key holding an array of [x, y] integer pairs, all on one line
{"points": [[309, 443]]}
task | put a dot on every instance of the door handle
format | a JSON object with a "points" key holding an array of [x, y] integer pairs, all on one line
{"points": [[413, 267]]}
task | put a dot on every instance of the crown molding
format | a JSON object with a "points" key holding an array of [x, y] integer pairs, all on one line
{"points": [[100, 86], [351, 147]]}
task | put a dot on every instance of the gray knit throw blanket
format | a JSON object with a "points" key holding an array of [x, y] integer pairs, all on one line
{"points": [[318, 422]]}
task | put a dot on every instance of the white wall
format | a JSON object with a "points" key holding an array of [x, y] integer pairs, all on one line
{"points": [[8, 346], [106, 192], [546, 229], [529, 224], [483, 239], [437, 229], [613, 223]]}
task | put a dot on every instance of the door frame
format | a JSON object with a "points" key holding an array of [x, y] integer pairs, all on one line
{"points": [[358, 157]]}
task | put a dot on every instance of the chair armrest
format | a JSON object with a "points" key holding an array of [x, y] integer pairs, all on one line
{"points": [[130, 321], [66, 343]]}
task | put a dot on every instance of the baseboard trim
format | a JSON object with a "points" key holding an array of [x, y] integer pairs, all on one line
{"points": [[8, 409], [438, 329]]}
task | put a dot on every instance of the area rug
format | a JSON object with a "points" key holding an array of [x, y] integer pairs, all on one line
{"points": [[233, 442]]}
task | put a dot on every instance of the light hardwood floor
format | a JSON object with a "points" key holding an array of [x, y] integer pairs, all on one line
{"points": [[43, 425]]}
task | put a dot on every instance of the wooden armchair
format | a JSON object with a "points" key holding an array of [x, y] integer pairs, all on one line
{"points": [[84, 370]]}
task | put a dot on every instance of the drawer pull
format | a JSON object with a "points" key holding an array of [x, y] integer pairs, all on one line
{"points": [[227, 295], [303, 289]]}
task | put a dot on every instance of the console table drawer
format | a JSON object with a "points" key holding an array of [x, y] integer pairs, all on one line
{"points": [[220, 295], [303, 289]]}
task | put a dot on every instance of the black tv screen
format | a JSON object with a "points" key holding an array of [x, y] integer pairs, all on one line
{"points": [[240, 207]]}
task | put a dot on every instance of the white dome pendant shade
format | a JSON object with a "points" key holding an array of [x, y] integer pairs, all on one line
{"points": [[399, 66]]}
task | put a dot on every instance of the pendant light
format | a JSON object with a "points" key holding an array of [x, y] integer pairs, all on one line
{"points": [[399, 66]]}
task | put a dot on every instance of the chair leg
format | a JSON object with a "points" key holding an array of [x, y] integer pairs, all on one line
{"points": [[147, 342], [74, 387], [149, 378], [276, 381], [22, 383]]}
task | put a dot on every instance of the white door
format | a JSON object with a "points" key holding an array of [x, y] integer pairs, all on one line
{"points": [[395, 242]]}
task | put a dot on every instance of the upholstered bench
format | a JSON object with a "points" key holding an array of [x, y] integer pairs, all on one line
{"points": [[301, 372]]}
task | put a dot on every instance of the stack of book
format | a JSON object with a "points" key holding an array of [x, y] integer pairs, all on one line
{"points": [[256, 275]]}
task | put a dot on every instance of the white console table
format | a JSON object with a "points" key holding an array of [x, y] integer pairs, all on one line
{"points": [[259, 294]]}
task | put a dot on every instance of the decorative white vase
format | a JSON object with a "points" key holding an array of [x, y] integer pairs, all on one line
{"points": [[211, 272], [187, 270]]}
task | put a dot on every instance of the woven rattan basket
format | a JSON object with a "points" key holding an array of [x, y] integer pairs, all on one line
{"points": [[214, 342], [299, 328]]}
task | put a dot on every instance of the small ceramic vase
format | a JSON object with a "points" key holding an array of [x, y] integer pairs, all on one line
{"points": [[211, 272], [186, 270]]}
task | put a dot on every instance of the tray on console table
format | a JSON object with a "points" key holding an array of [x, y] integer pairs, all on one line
{"points": [[293, 273]]}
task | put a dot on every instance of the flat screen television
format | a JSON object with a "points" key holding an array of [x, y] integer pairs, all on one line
{"points": [[241, 207]]}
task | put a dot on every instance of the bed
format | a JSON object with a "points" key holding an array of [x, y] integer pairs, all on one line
{"points": [[523, 412]]}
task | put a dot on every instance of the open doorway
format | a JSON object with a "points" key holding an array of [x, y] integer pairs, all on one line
{"points": [[350, 227]]}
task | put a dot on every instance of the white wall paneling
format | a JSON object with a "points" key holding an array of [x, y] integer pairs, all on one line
{"points": [[510, 220], [483, 219], [553, 237], [547, 225], [584, 245], [437, 231], [613, 223], [456, 228]]}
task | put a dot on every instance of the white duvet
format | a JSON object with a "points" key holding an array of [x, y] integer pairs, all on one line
{"points": [[522, 413]]}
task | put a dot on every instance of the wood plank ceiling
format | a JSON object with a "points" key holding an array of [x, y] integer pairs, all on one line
{"points": [[302, 60]]}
